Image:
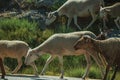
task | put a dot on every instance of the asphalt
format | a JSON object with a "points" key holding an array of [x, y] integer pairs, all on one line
{"points": [[31, 77]]}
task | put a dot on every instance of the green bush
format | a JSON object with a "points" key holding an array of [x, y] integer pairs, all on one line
{"points": [[29, 32], [16, 29]]}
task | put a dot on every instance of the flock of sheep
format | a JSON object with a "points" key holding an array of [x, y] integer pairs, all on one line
{"points": [[74, 43]]}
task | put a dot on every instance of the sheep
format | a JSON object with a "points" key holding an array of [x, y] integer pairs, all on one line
{"points": [[103, 34], [109, 48], [74, 8], [59, 45], [15, 49], [113, 11], [2, 69]]}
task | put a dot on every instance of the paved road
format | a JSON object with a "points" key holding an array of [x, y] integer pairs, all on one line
{"points": [[30, 77]]}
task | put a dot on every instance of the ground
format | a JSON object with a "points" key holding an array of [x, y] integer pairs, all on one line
{"points": [[31, 77]]}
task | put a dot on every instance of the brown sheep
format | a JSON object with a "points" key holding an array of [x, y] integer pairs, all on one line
{"points": [[15, 49], [109, 48]]}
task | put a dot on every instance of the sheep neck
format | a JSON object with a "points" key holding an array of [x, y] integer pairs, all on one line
{"points": [[41, 49], [59, 12]]}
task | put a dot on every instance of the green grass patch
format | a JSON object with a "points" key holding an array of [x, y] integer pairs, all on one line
{"points": [[29, 32], [79, 72]]}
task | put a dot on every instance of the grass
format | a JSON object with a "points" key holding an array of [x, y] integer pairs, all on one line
{"points": [[74, 66], [78, 71], [75, 72]]}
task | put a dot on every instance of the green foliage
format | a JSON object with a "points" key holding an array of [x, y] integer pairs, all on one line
{"points": [[16, 29], [95, 72], [63, 29], [75, 72], [29, 1], [58, 4], [29, 32]]}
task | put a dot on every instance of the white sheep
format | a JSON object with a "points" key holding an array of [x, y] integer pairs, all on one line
{"points": [[15, 49], [75, 8], [109, 48], [59, 45], [113, 11]]}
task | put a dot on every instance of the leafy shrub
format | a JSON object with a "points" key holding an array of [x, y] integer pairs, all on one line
{"points": [[15, 29]]}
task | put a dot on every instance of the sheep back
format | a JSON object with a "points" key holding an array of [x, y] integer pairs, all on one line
{"points": [[13, 48], [62, 42]]}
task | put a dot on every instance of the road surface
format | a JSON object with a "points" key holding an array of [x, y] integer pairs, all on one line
{"points": [[31, 77]]}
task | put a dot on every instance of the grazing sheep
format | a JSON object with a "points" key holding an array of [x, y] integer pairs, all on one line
{"points": [[75, 8], [2, 69], [14, 49], [109, 48], [113, 11], [59, 45]]}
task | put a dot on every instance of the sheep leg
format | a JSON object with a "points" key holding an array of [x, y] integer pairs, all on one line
{"points": [[75, 21], [103, 60], [104, 24], [88, 59], [6, 67], [69, 21], [61, 66], [2, 69], [114, 74], [94, 17], [116, 22], [106, 72], [99, 63], [46, 64], [18, 66], [35, 68]]}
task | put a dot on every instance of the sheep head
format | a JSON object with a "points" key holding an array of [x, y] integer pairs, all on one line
{"points": [[85, 42], [51, 17], [31, 57]]}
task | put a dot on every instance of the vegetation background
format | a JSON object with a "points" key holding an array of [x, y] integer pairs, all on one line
{"points": [[22, 29]]}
